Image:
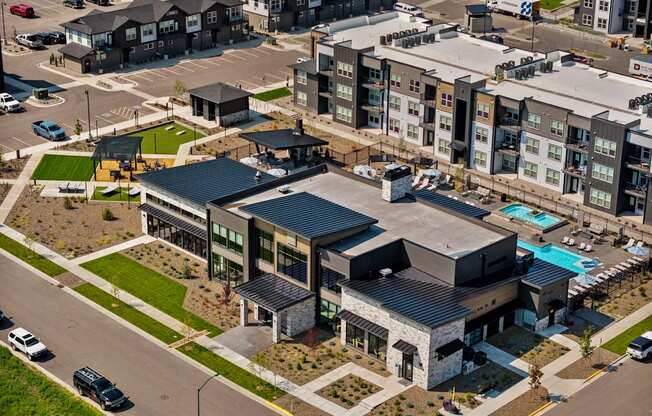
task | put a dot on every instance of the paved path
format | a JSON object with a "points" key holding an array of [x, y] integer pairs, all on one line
{"points": [[157, 381], [18, 186], [143, 239], [504, 358]]}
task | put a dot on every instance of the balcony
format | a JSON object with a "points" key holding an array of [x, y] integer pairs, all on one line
{"points": [[326, 94], [373, 83], [431, 125], [233, 19], [508, 148], [326, 71], [633, 189], [373, 106], [638, 164], [575, 170], [429, 101], [577, 145], [508, 123]]}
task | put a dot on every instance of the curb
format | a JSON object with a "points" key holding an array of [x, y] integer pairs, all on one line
{"points": [[52, 377], [604, 370], [541, 408]]}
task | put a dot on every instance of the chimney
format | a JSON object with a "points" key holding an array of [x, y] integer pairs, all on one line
{"points": [[397, 183], [298, 128]]}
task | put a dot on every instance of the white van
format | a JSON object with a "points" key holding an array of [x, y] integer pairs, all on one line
{"points": [[408, 8]]}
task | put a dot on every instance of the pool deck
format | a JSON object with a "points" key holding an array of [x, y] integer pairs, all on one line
{"points": [[528, 224]]}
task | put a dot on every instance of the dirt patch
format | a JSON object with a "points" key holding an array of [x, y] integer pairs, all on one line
{"points": [[76, 231], [576, 328], [78, 146], [4, 190], [12, 168], [417, 401], [204, 298], [298, 407], [311, 355], [528, 346], [348, 391], [524, 404], [628, 298], [69, 279], [582, 368]]}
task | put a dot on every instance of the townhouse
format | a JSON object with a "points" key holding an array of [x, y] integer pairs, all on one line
{"points": [[408, 279], [542, 118], [625, 17], [284, 15], [147, 30]]}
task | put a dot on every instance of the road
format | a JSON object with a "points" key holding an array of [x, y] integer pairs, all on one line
{"points": [[625, 391], [157, 382]]}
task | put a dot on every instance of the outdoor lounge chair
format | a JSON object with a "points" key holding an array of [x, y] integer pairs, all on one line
{"points": [[423, 184], [416, 180], [582, 246], [571, 242], [432, 187], [109, 190], [640, 244], [588, 248], [565, 240], [134, 191], [629, 244]]}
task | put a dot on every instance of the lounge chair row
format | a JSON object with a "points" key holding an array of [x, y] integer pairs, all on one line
{"points": [[631, 243], [430, 184], [571, 242], [617, 272]]}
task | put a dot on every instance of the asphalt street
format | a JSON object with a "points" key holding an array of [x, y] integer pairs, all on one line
{"points": [[157, 382], [625, 391]]}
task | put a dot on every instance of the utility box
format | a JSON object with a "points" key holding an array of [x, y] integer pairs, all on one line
{"points": [[40, 93], [478, 18]]}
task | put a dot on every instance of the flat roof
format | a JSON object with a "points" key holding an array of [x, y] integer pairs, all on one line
{"points": [[283, 139], [440, 231]]}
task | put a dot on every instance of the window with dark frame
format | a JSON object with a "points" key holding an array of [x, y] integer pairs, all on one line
{"points": [[291, 263], [265, 245]]}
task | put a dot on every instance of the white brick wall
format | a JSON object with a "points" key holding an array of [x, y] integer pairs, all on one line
{"points": [[300, 317]]}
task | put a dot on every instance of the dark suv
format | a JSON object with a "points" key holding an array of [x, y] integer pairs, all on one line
{"points": [[89, 382]]}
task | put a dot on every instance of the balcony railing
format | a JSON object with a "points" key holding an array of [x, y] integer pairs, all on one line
{"points": [[509, 148], [509, 121], [373, 83], [578, 145], [636, 190], [372, 106], [636, 163], [575, 169]]}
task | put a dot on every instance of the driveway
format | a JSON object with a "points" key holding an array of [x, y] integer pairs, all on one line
{"points": [[157, 382]]}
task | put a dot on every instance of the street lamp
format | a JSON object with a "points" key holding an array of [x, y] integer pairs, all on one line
{"points": [[199, 391], [88, 108], [4, 26]]}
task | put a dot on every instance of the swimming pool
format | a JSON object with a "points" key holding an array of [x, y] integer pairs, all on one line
{"points": [[559, 256], [541, 220]]}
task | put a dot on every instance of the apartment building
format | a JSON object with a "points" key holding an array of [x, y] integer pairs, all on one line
{"points": [[283, 15], [149, 29], [613, 16], [407, 279], [578, 131]]}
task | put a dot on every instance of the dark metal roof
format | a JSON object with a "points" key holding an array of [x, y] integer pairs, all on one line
{"points": [[219, 93], [451, 204], [272, 292], [477, 9], [117, 148], [307, 66], [542, 274], [203, 182], [307, 215], [76, 50], [405, 347], [174, 220], [365, 324], [282, 139], [450, 348]]}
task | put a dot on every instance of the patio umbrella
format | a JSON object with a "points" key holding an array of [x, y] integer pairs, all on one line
{"points": [[277, 172], [432, 173], [639, 251], [249, 160]]}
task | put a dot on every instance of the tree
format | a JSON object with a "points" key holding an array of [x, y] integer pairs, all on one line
{"points": [[459, 179], [586, 349], [226, 294], [29, 242], [179, 87], [115, 292], [78, 128], [67, 203], [186, 271], [3, 163], [107, 215], [187, 330], [535, 374]]}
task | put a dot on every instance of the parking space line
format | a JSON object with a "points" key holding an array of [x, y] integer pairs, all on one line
{"points": [[140, 76], [108, 122], [237, 57], [68, 125], [156, 73], [180, 66], [7, 147], [196, 64], [171, 71], [264, 52], [229, 61], [249, 54], [284, 73], [274, 76], [18, 140], [208, 61]]}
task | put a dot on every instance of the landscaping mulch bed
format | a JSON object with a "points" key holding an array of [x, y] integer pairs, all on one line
{"points": [[348, 391], [204, 298], [528, 346], [417, 401], [4, 190], [576, 328], [72, 232], [69, 279], [582, 368], [296, 406], [524, 404], [79, 146], [12, 168], [631, 297], [299, 363]]}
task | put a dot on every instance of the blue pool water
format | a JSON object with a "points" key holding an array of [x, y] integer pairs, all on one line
{"points": [[542, 220], [556, 255]]}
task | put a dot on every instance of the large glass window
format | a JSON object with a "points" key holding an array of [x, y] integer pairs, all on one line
{"points": [[534, 121], [394, 103], [301, 78], [344, 114], [481, 134], [292, 263], [395, 80], [480, 158], [130, 34], [345, 92], [600, 198], [413, 108], [557, 127], [605, 147], [554, 152], [532, 145], [302, 98], [330, 278], [226, 270], [327, 311], [413, 131], [181, 238], [445, 122], [482, 110], [444, 146], [446, 99], [166, 26], [552, 177], [345, 70], [227, 238], [354, 336], [264, 245], [376, 346], [603, 173], [530, 170]]}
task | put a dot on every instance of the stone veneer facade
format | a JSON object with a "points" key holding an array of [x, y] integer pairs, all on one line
{"points": [[300, 317], [233, 118], [428, 371]]}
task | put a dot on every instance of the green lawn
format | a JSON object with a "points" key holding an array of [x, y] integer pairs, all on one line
{"points": [[129, 313], [120, 195], [273, 94], [550, 4], [231, 371], [167, 142], [24, 391], [64, 168], [151, 287], [619, 344], [29, 256]]}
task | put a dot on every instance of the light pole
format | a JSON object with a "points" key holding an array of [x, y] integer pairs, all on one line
{"points": [[199, 391], [4, 26], [88, 108]]}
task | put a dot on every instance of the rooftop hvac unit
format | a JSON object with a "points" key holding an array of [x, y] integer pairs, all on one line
{"points": [[396, 35], [649, 95], [498, 69], [417, 40], [512, 64], [389, 37], [425, 39], [385, 272], [530, 59], [632, 104], [415, 30], [549, 66], [649, 112], [523, 60], [530, 70], [383, 40], [518, 75], [404, 43], [637, 101]]}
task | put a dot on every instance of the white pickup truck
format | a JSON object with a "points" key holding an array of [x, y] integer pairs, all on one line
{"points": [[641, 347], [23, 341]]}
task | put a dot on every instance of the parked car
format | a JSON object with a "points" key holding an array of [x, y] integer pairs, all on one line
{"points": [[100, 2], [493, 38], [22, 9], [49, 130], [89, 382], [22, 340], [50, 38], [8, 103], [75, 4], [29, 40], [641, 347]]}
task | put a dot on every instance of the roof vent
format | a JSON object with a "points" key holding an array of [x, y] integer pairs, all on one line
{"points": [[258, 175], [386, 272], [284, 189]]}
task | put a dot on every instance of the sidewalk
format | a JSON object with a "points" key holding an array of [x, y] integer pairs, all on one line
{"points": [[143, 239], [18, 186]]}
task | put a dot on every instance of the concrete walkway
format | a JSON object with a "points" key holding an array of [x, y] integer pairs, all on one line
{"points": [[18, 186], [143, 239], [504, 358]]}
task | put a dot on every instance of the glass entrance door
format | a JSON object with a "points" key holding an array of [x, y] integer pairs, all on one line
{"points": [[407, 366]]}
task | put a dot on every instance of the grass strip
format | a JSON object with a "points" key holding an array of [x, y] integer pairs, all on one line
{"points": [[619, 344], [25, 391], [227, 369], [64, 168], [273, 94], [150, 286], [120, 195], [128, 313], [159, 140], [31, 257]]}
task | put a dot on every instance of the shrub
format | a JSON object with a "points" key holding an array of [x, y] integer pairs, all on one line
{"points": [[429, 403], [299, 367], [67, 203], [107, 215]]}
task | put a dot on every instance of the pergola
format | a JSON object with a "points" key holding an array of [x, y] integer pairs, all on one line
{"points": [[293, 140], [123, 149]]}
